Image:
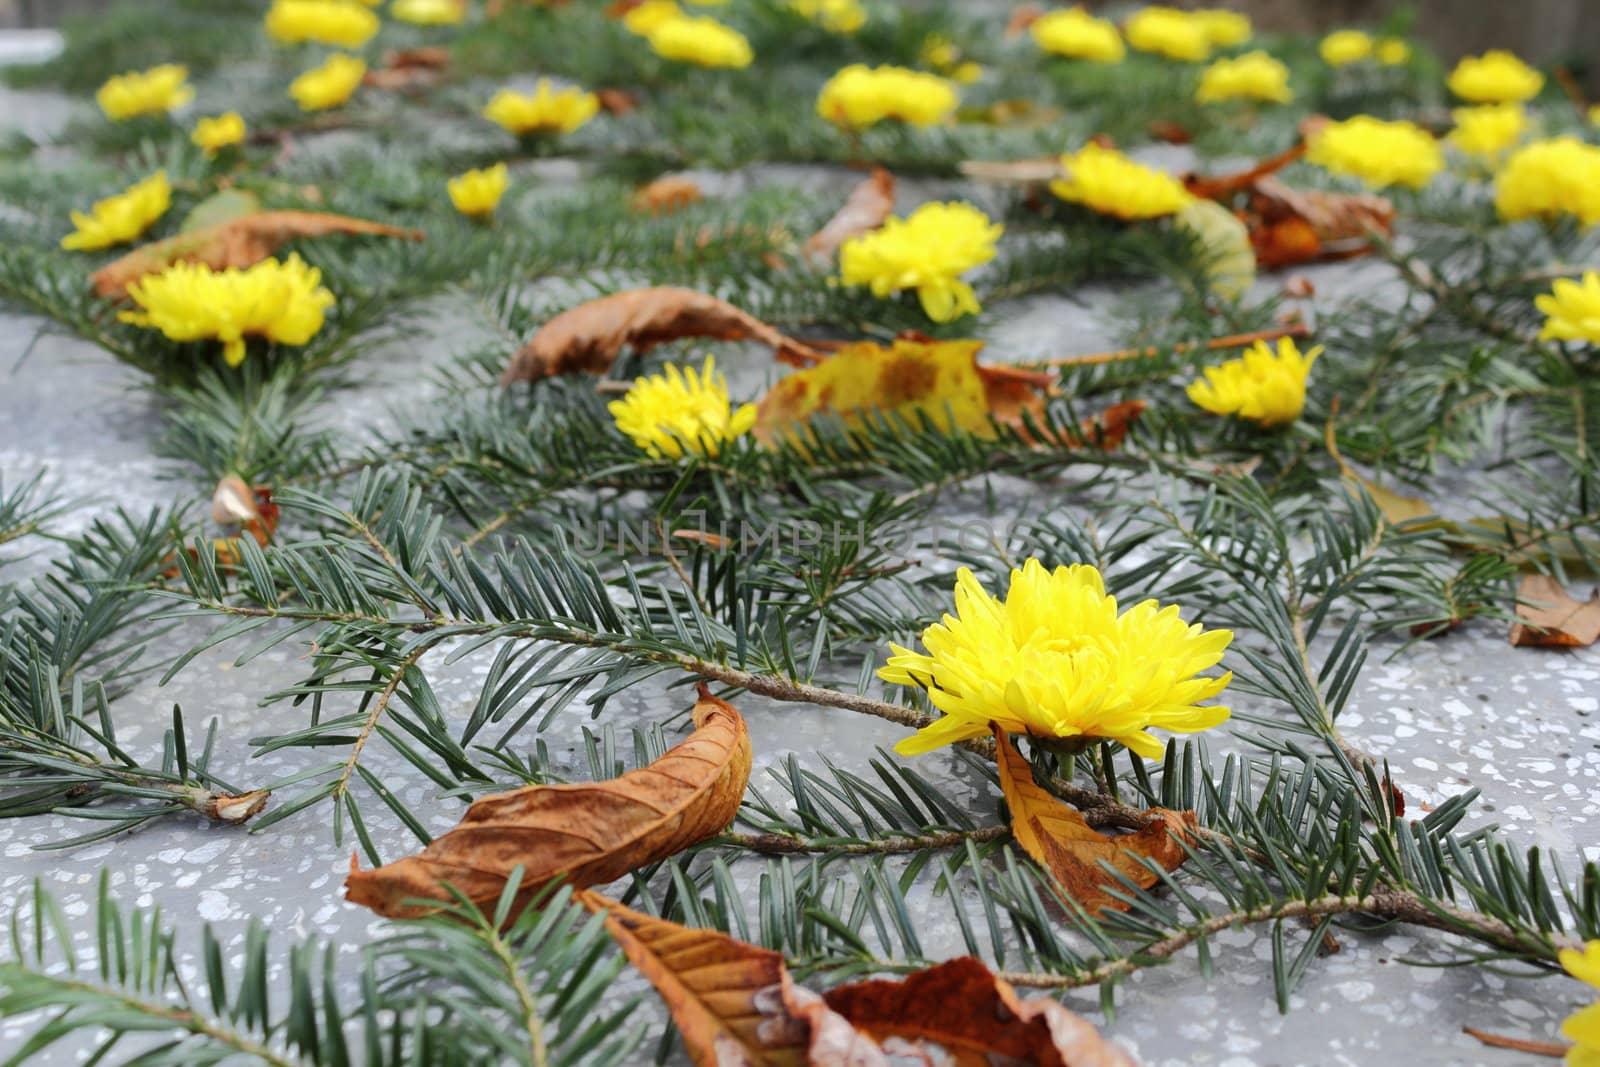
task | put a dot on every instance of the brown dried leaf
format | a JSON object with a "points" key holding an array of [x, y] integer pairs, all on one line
{"points": [[240, 243], [587, 338], [1058, 838], [586, 834], [1022, 17], [406, 68], [1549, 617], [865, 209], [1553, 1049], [617, 101], [667, 194]]}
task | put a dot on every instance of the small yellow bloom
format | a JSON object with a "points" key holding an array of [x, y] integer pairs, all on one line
{"points": [[331, 22], [682, 412], [835, 16], [216, 132], [1496, 77], [650, 14], [1252, 76], [1572, 313], [430, 12], [1585, 965], [1107, 181], [477, 192], [163, 88], [120, 218], [545, 110], [700, 40], [1076, 34], [282, 302], [1343, 47], [860, 96], [1392, 51], [1166, 31], [1379, 152], [928, 252], [1224, 29], [1487, 130], [1265, 388], [329, 85], [1546, 179], [1055, 659], [1583, 1026]]}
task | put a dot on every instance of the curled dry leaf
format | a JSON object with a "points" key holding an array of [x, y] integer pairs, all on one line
{"points": [[239, 243], [405, 68], [234, 503], [586, 834], [617, 101], [1549, 617], [1058, 838], [864, 210], [1395, 507], [667, 194], [589, 337]]}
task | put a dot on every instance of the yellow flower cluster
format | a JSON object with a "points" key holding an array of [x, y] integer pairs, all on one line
{"points": [[1223, 28], [1572, 310], [477, 192], [681, 412], [122, 217], [159, 89], [1583, 1026], [1107, 181], [700, 40], [1169, 32], [545, 110], [1055, 659], [941, 53], [329, 85], [430, 12], [860, 96], [332, 22], [1266, 388], [1252, 76], [647, 16], [1547, 179], [216, 132], [1379, 152], [1488, 130], [928, 252], [1496, 77], [282, 302], [1076, 34], [1343, 47], [835, 16]]}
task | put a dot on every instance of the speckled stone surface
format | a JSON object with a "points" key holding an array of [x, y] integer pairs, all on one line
{"points": [[1522, 726]]}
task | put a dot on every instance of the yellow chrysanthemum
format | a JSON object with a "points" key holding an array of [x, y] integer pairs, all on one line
{"points": [[859, 96], [835, 16], [429, 12], [1488, 130], [477, 192], [1266, 388], [1379, 152], [650, 14], [216, 132], [329, 85], [1107, 181], [145, 92], [1056, 660], [1583, 1026], [331, 22], [282, 302], [700, 40], [1166, 31], [1343, 47], [1392, 51], [1496, 77], [1252, 76], [545, 110], [1076, 34], [679, 412], [1572, 310], [122, 217], [1224, 29], [1547, 179], [928, 252]]}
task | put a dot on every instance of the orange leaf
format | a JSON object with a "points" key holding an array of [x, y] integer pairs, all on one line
{"points": [[586, 834], [238, 243], [617, 101], [868, 204], [1022, 17], [667, 194], [589, 337], [1058, 838], [1548, 617]]}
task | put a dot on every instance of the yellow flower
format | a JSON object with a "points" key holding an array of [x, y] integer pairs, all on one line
{"points": [[430, 12], [1343, 47], [1224, 29], [1166, 31], [283, 302], [1076, 34], [216, 132], [859, 96], [1487, 130], [546, 110], [681, 412], [1572, 313], [1583, 1026], [1264, 388], [1252, 76], [650, 14], [1392, 51], [477, 192], [329, 85], [332, 22], [1550, 178], [700, 40], [1055, 659], [835, 16], [928, 252], [122, 217], [1107, 181], [1496, 77], [1379, 152], [163, 88], [1585, 965]]}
